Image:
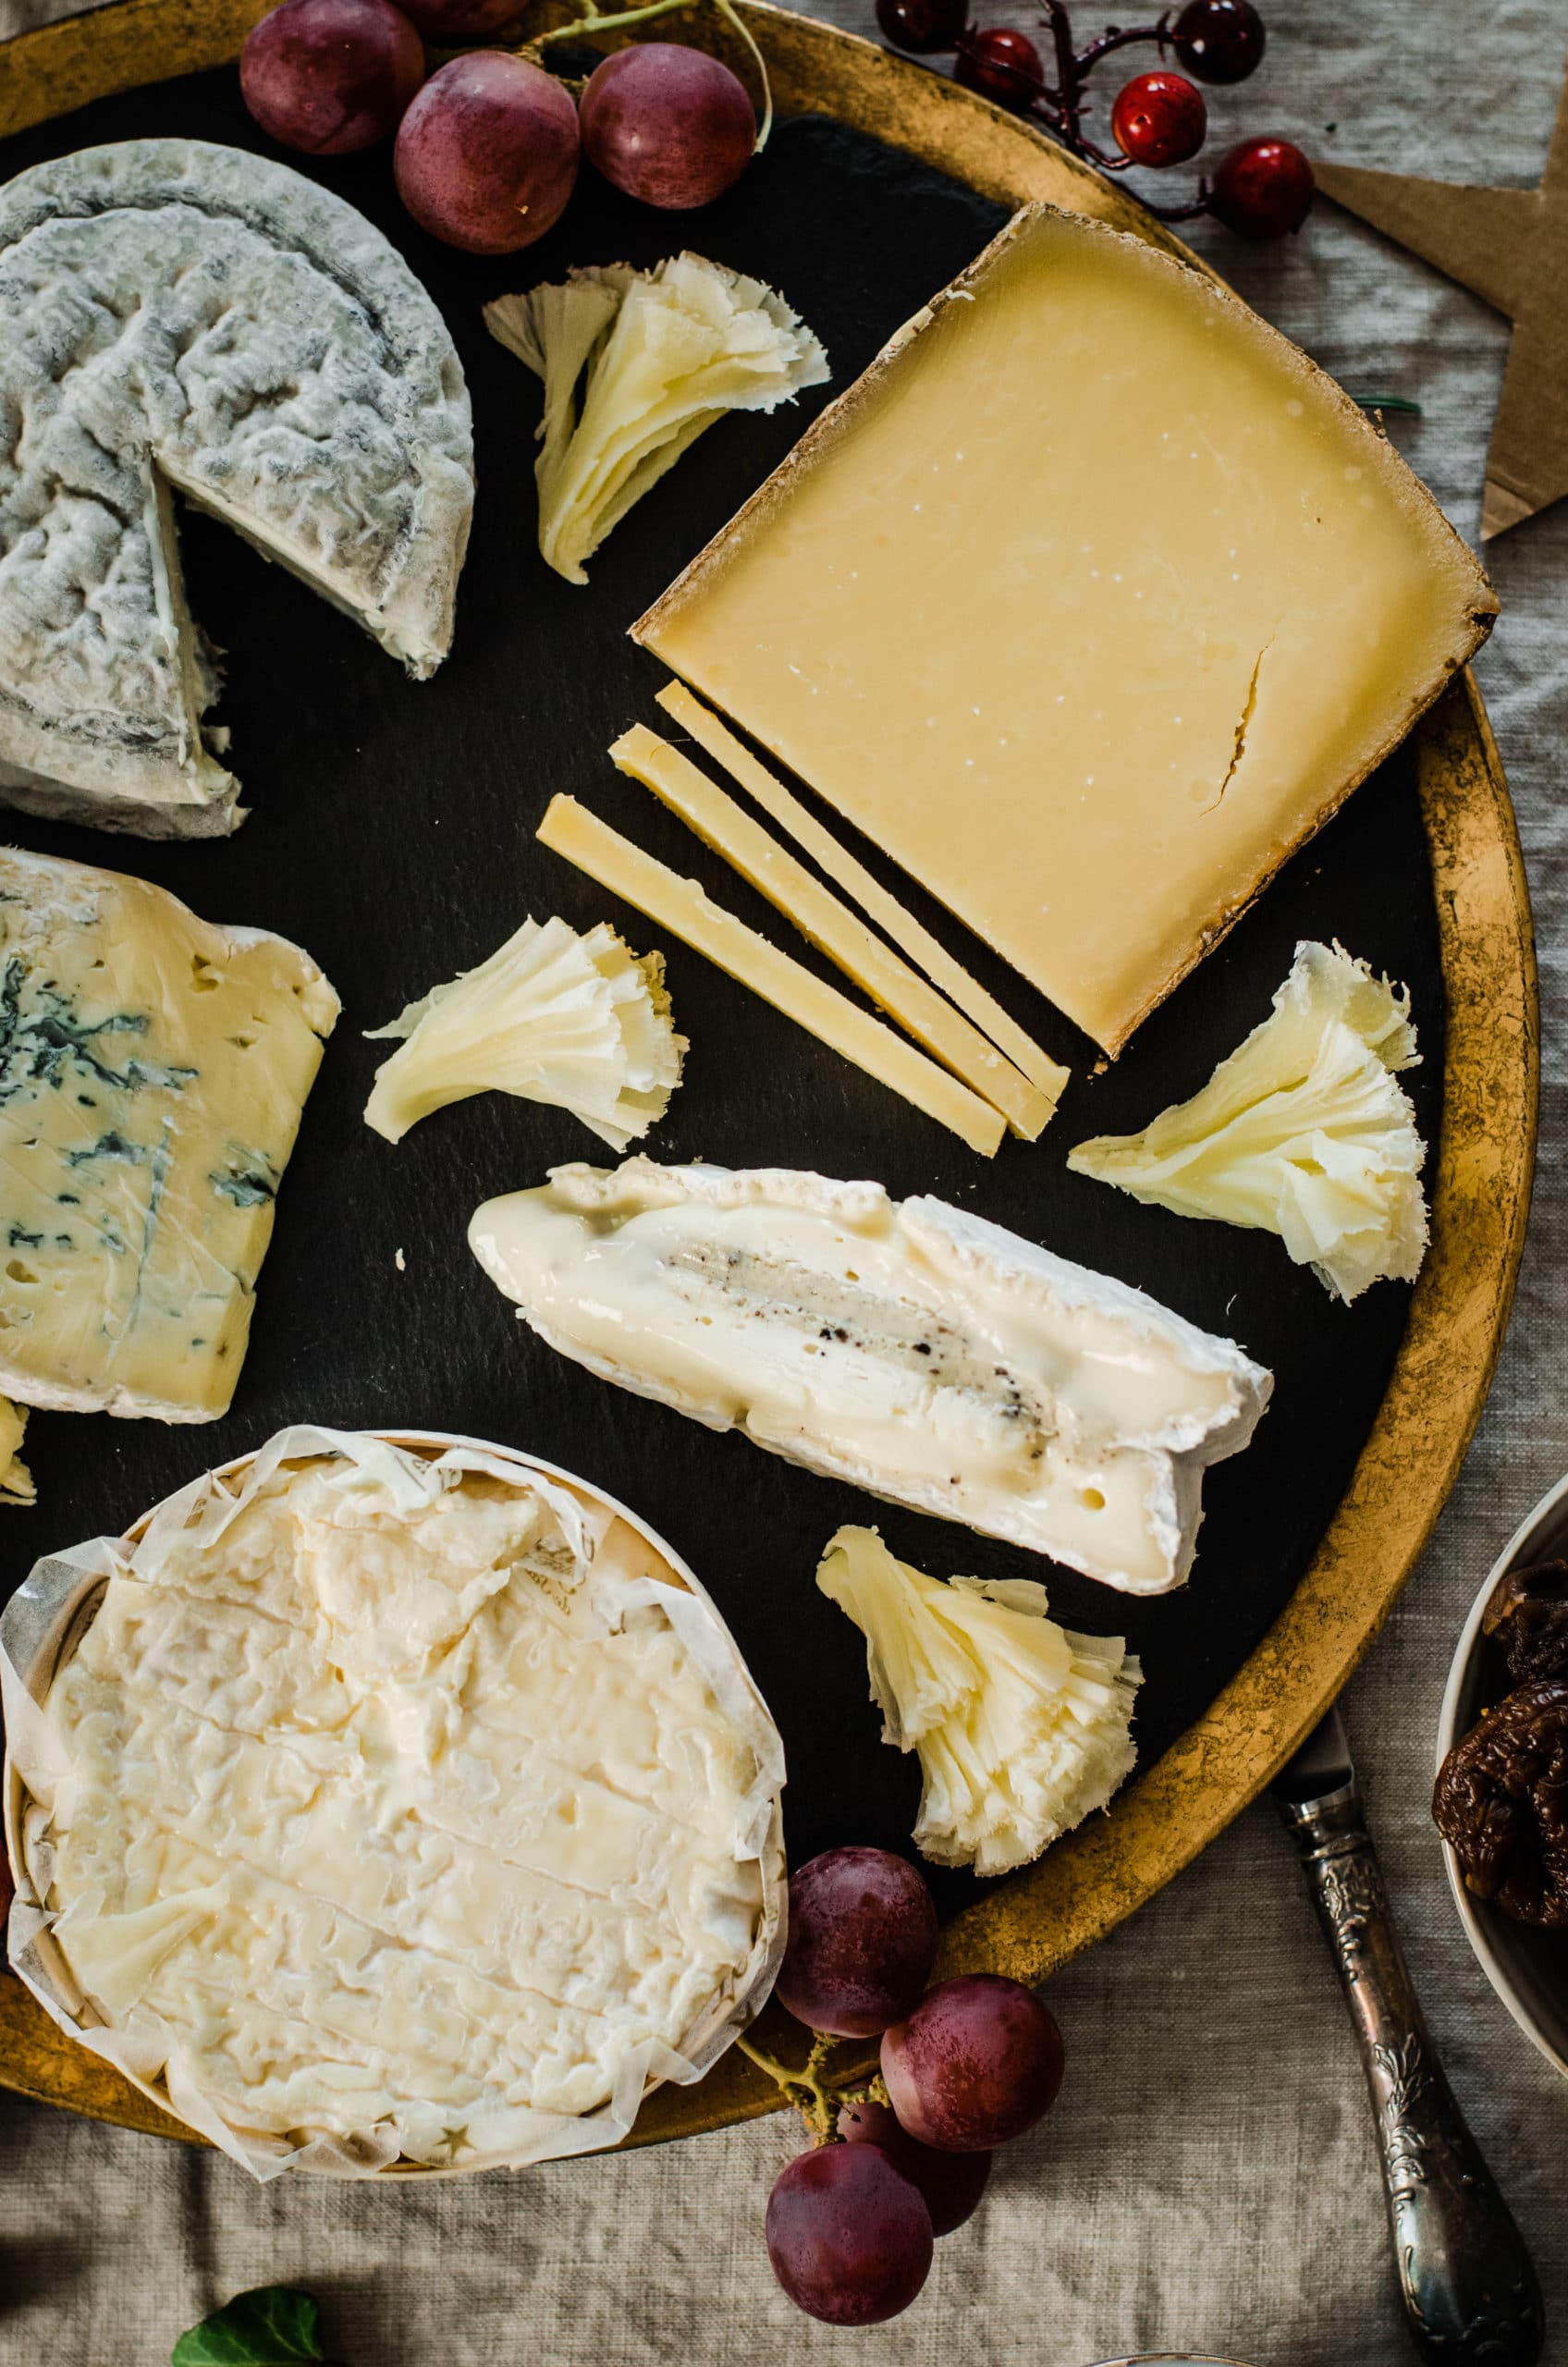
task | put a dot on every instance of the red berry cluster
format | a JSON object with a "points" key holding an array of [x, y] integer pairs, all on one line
{"points": [[965, 2067], [488, 147], [1260, 190]]}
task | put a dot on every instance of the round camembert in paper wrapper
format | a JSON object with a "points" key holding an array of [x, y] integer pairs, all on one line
{"points": [[377, 1803]]}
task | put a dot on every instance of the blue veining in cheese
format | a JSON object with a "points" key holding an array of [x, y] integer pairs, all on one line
{"points": [[152, 1070]]}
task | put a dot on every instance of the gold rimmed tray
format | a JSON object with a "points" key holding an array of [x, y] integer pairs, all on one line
{"points": [[1480, 1187]]}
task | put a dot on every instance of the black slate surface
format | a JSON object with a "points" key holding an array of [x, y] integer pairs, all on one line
{"points": [[391, 832]]}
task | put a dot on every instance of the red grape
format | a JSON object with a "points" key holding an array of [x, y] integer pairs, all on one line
{"points": [[1160, 119], [922, 25], [488, 154], [849, 2236], [952, 2184], [863, 1939], [669, 125], [1001, 63], [976, 2064], [455, 21], [1220, 41], [331, 76], [1262, 189]]}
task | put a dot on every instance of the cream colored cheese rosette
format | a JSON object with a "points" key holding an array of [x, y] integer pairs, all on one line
{"points": [[374, 1805]]}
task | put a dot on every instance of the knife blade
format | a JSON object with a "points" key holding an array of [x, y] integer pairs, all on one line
{"points": [[1468, 2284]]}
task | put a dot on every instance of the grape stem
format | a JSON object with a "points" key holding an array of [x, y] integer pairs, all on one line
{"points": [[591, 21], [817, 2098]]}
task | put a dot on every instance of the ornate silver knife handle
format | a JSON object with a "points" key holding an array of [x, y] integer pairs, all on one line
{"points": [[1469, 2285]]}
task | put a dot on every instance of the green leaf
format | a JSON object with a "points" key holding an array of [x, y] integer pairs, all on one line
{"points": [[274, 2325]]}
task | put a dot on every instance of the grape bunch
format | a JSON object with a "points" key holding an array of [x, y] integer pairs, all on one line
{"points": [[1260, 190], [965, 2067], [489, 146]]}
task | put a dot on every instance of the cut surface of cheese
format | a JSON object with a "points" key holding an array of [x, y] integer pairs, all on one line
{"points": [[846, 871], [402, 1805], [830, 926], [908, 1347], [1089, 603], [685, 909], [16, 1479], [178, 314], [152, 1070], [1023, 1729]]}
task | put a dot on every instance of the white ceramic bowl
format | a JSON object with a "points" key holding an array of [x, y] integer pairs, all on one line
{"points": [[1527, 1968]]}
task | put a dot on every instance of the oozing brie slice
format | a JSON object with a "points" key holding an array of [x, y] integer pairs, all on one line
{"points": [[910, 1348], [177, 313]]}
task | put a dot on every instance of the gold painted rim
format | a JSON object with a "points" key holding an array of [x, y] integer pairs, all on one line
{"points": [[1035, 1922]]}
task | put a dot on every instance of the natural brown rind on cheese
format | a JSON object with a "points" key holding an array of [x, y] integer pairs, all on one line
{"points": [[1389, 585]]}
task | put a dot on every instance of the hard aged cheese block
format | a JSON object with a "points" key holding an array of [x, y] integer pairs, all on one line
{"points": [[400, 1805], [1089, 603], [174, 313], [152, 1070], [910, 1348]]}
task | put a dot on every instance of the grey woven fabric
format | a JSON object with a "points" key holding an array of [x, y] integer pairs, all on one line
{"points": [[1209, 2179]]}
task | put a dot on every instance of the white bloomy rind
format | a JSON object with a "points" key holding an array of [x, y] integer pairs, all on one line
{"points": [[1022, 1728], [580, 1023], [1303, 1132], [917, 1352], [660, 356]]}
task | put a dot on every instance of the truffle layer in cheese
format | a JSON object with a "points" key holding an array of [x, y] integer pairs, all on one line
{"points": [[400, 1809], [1088, 603], [914, 1350], [152, 1070], [173, 312]]}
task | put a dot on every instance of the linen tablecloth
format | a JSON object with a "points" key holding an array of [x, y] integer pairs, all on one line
{"points": [[1209, 2179]]}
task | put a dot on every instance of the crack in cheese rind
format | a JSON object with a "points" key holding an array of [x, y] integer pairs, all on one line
{"points": [[917, 1352], [684, 908], [396, 1807], [176, 313], [830, 926], [152, 1072], [1004, 607], [717, 740]]}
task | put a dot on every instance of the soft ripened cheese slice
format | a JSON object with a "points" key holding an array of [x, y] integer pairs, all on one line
{"points": [[685, 909], [830, 926], [152, 1070], [177, 313], [846, 871], [401, 1803], [910, 1348], [1089, 603]]}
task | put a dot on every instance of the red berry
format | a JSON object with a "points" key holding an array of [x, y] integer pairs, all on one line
{"points": [[976, 2064], [1001, 63], [1160, 119], [331, 76], [1262, 189], [863, 1939], [849, 2236], [922, 25], [1220, 41]]}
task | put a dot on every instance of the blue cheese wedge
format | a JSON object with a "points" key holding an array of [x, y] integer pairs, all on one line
{"points": [[178, 315], [397, 1804], [152, 1070], [908, 1347]]}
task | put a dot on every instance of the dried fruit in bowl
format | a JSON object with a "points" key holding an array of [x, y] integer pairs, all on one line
{"points": [[1502, 1805]]}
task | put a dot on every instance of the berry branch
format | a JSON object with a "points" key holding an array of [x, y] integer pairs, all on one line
{"points": [[1260, 190]]}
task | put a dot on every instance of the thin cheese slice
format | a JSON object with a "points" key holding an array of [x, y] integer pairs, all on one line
{"points": [[830, 926], [718, 742], [1090, 602], [684, 908]]}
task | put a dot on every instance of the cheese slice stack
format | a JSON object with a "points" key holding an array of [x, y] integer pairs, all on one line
{"points": [[1089, 603]]}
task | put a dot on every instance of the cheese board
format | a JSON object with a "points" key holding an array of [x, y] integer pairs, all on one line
{"points": [[392, 831]]}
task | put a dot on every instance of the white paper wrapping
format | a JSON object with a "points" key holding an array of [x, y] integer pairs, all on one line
{"points": [[45, 1619]]}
